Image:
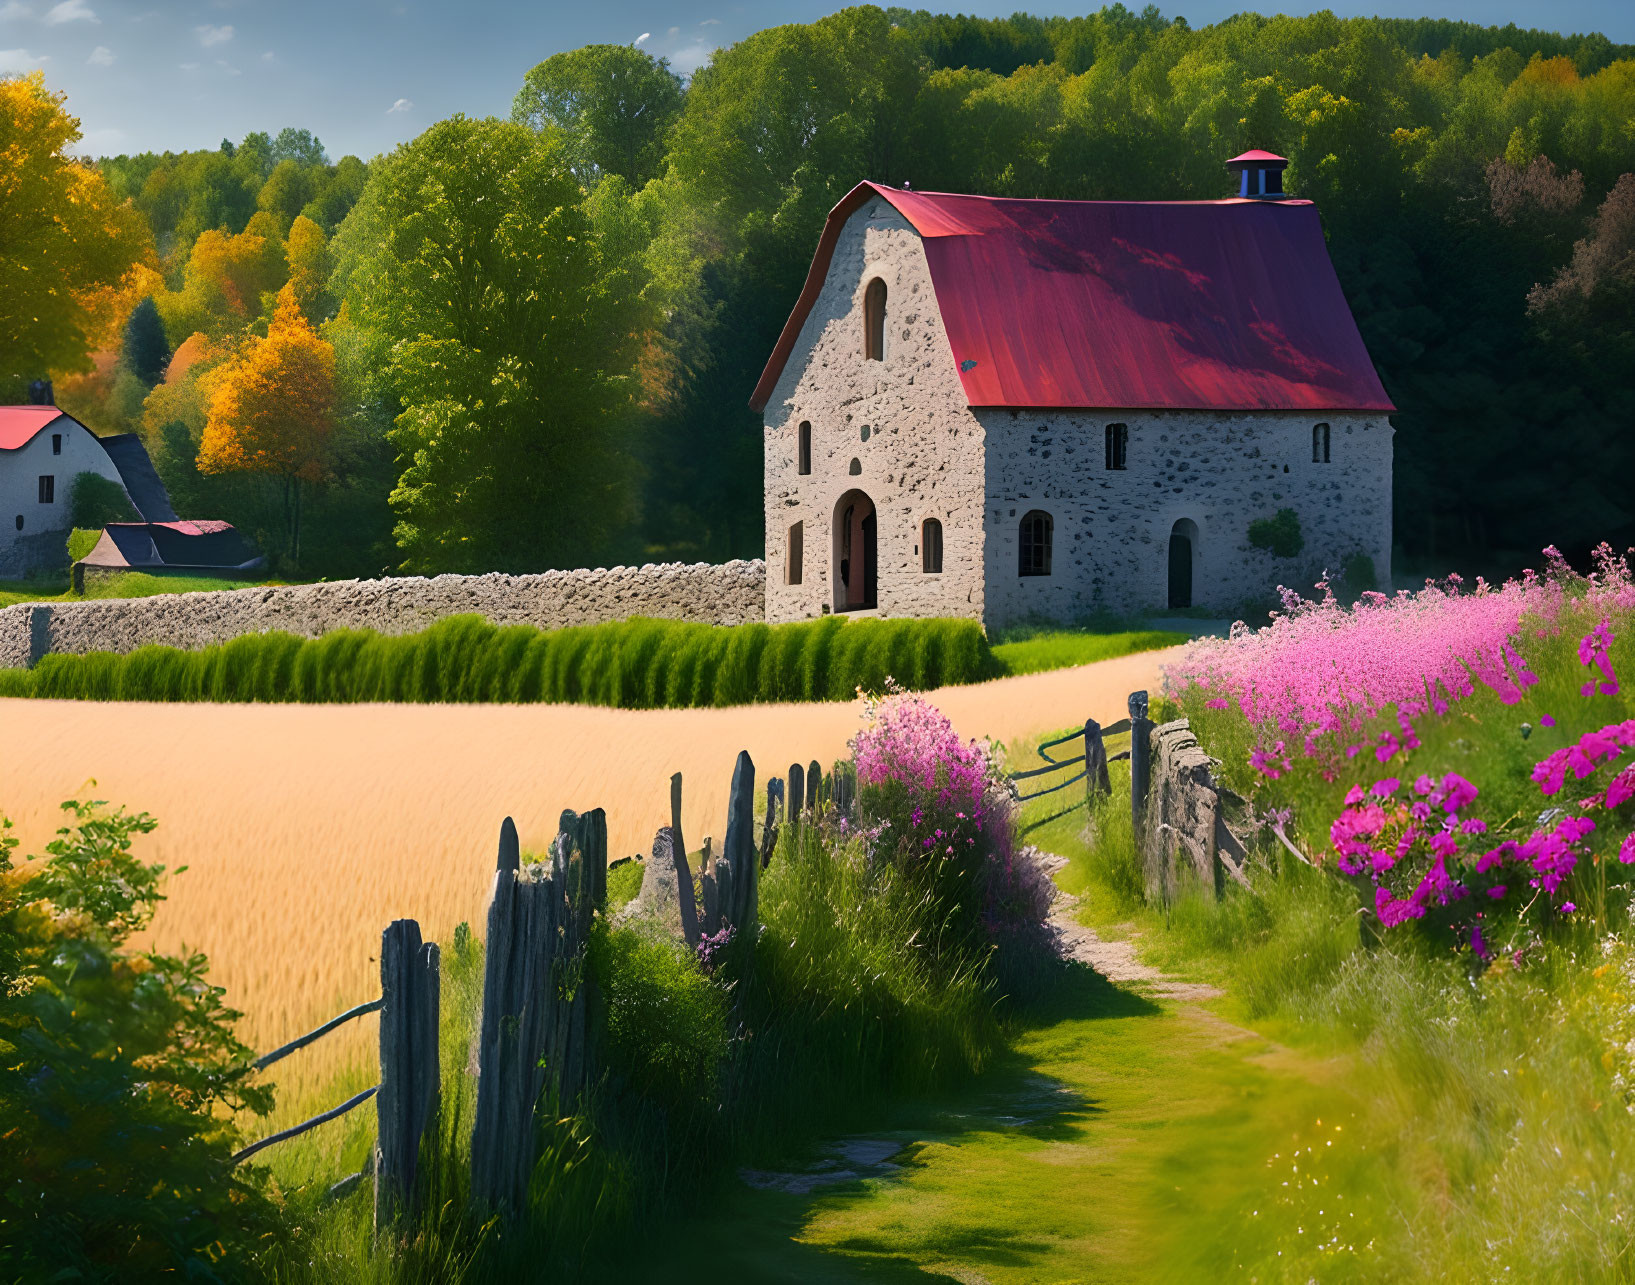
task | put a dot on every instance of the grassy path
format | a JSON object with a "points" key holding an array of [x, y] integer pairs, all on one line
{"points": [[1134, 1134]]}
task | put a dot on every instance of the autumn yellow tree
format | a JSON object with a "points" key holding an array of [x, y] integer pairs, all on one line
{"points": [[225, 280], [66, 242], [272, 411], [310, 268]]}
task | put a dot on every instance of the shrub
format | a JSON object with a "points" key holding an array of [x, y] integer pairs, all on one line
{"points": [[94, 501], [119, 1072], [81, 541], [632, 664], [1280, 535], [1360, 577]]}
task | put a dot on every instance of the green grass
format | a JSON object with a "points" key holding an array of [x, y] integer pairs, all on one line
{"points": [[1059, 649], [841, 1009], [130, 584]]}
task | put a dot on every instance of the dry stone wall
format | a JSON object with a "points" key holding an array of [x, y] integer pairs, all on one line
{"points": [[903, 420], [729, 594], [1183, 826]]}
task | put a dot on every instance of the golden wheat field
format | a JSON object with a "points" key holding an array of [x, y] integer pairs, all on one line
{"points": [[305, 829]]}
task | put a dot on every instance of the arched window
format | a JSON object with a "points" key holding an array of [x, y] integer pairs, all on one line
{"points": [[1034, 544], [794, 552], [1319, 444], [1118, 445], [874, 321], [931, 547], [803, 448]]}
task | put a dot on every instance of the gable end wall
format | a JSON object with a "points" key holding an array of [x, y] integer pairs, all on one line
{"points": [[924, 455]]}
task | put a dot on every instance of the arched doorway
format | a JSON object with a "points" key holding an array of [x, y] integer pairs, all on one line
{"points": [[1183, 550], [855, 532]]}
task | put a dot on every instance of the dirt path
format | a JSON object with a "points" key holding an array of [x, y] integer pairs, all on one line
{"points": [[306, 828], [1113, 958]]}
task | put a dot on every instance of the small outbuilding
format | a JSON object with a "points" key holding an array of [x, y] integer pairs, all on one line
{"points": [[202, 547]]}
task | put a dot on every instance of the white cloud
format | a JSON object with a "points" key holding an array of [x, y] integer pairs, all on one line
{"points": [[401, 105], [14, 9], [646, 35], [101, 56], [209, 35], [20, 60], [269, 56], [70, 11], [674, 31], [710, 22], [228, 67], [687, 60]]}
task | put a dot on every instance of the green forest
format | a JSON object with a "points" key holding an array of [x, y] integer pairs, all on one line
{"points": [[530, 343]]}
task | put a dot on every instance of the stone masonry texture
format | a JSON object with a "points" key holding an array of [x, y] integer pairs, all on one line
{"points": [[919, 451], [730, 594]]}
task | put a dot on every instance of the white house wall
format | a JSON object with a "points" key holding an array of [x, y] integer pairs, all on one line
{"points": [[1221, 470], [42, 541], [923, 458]]}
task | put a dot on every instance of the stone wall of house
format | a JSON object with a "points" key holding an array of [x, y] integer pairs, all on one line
{"points": [[34, 534], [902, 420], [729, 594], [1218, 470]]}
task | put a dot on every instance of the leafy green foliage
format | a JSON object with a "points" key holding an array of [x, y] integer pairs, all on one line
{"points": [[94, 501], [611, 105], [1279, 535], [514, 382], [634, 664], [81, 541], [119, 1070]]}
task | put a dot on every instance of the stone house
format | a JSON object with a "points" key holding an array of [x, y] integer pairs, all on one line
{"points": [[1014, 409]]}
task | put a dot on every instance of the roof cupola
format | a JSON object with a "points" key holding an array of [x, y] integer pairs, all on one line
{"points": [[1260, 175]]}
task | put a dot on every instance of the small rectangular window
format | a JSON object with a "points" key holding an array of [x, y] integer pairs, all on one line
{"points": [[931, 547], [48, 489], [1319, 444], [803, 448], [1118, 445], [794, 552], [56, 443]]}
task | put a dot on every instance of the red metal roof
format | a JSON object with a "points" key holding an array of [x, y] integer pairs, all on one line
{"points": [[1255, 154], [19, 424], [1207, 305]]}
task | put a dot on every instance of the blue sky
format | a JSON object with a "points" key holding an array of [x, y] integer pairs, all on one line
{"points": [[366, 74]]}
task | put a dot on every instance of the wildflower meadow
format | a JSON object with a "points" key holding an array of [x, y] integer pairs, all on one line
{"points": [[1464, 755]]}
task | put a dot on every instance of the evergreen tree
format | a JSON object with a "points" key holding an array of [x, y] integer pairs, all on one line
{"points": [[145, 351]]}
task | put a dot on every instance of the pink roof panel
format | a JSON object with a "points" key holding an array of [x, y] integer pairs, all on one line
{"points": [[1208, 305], [19, 424]]}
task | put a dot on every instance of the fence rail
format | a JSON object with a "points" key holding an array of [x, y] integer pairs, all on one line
{"points": [[1094, 757]]}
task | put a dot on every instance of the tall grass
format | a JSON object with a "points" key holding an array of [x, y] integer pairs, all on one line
{"points": [[633, 664], [837, 1003]]}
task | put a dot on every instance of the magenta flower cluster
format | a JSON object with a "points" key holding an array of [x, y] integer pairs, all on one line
{"points": [[1423, 850], [911, 743], [1319, 672]]}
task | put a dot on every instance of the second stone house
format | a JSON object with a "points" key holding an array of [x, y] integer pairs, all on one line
{"points": [[1017, 409]]}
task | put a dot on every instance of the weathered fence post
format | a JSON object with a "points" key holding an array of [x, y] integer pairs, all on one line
{"points": [[814, 785], [709, 923], [769, 829], [667, 847], [1140, 759], [675, 814], [737, 869], [407, 1102], [797, 791], [519, 992], [1096, 780]]}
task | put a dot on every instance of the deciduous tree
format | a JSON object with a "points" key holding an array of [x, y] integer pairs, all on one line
{"points": [[612, 106], [513, 327], [272, 412], [63, 236]]}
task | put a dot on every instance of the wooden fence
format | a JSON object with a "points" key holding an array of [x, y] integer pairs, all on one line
{"points": [[1093, 773], [407, 1094], [538, 1045]]}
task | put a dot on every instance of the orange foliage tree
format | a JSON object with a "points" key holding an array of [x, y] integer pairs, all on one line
{"points": [[272, 411]]}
